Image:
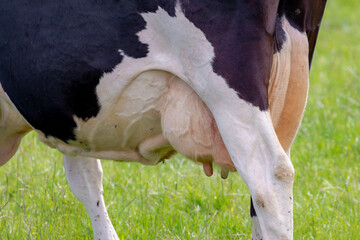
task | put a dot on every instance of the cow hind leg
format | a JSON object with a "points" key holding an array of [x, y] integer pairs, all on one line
{"points": [[85, 180], [289, 83], [259, 158], [287, 94], [12, 128], [8, 146], [268, 172], [256, 230]]}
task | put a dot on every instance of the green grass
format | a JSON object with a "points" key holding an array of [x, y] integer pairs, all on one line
{"points": [[176, 201]]}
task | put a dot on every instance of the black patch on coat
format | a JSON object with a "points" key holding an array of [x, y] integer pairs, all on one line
{"points": [[252, 209], [242, 34], [52, 55], [168, 6], [305, 16], [280, 35]]}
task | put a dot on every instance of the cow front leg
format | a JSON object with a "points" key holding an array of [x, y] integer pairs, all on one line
{"points": [[85, 180]]}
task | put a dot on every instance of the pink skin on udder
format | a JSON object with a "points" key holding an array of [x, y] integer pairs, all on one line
{"points": [[191, 129]]}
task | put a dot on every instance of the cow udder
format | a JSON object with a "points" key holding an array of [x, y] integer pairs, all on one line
{"points": [[190, 128]]}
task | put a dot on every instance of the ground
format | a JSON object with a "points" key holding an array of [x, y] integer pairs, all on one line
{"points": [[176, 200]]}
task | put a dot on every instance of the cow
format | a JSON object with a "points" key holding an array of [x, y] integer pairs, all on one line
{"points": [[221, 82]]}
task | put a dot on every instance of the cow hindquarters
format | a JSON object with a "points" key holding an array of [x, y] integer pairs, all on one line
{"points": [[85, 180]]}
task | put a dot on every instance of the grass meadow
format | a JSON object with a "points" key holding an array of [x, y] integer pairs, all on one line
{"points": [[176, 200]]}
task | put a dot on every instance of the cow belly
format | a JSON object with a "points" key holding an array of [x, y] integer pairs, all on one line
{"points": [[151, 118]]}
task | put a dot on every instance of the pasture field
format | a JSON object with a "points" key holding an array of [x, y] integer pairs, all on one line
{"points": [[176, 200]]}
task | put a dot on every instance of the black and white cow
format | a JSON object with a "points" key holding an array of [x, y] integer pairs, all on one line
{"points": [[221, 81]]}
